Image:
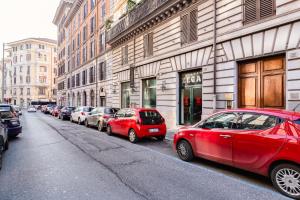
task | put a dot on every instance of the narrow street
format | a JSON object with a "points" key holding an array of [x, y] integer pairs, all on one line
{"points": [[59, 160]]}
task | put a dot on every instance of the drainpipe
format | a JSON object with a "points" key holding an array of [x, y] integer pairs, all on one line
{"points": [[215, 56]]}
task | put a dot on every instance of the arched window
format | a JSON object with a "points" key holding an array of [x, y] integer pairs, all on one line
{"points": [[78, 99], [73, 99], [69, 99], [84, 98]]}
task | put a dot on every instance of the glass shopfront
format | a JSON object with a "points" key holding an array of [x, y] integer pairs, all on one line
{"points": [[125, 95], [149, 93], [191, 97]]}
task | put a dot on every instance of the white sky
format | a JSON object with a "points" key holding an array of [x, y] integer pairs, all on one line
{"points": [[21, 19]]}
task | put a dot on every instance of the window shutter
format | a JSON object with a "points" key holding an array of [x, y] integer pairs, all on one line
{"points": [[267, 8], [251, 11], [184, 29], [193, 26], [150, 44], [146, 45]]}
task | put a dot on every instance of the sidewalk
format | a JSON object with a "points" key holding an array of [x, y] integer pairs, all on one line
{"points": [[171, 132]]}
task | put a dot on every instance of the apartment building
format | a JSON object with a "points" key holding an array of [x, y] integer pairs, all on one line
{"points": [[190, 58], [30, 71], [85, 55]]}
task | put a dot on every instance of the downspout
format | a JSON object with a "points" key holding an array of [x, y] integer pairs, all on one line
{"points": [[214, 56]]}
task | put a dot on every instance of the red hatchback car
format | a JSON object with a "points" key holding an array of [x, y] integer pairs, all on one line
{"points": [[137, 124], [263, 141]]}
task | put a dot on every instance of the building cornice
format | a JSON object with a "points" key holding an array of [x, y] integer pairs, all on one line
{"points": [[75, 7], [59, 11], [143, 17], [38, 40]]}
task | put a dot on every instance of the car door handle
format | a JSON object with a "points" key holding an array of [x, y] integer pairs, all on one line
{"points": [[225, 136]]}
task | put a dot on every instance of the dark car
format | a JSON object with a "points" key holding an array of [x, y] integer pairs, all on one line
{"points": [[3, 141], [11, 121], [99, 117], [65, 112]]}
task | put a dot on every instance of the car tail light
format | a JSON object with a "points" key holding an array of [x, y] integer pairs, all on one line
{"points": [[82, 113], [106, 116]]}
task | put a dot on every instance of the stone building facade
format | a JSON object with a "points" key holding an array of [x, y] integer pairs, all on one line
{"points": [[30, 71], [190, 58]]}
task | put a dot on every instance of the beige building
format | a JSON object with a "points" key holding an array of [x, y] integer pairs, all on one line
{"points": [[190, 58], [30, 71]]}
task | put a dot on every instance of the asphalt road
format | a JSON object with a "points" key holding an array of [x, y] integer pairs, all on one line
{"points": [[55, 160]]}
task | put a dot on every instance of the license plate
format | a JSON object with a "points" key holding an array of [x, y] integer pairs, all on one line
{"points": [[153, 130], [14, 123]]}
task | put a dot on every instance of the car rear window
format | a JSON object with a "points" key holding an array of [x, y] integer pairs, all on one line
{"points": [[150, 117], [110, 110], [70, 108], [4, 108], [87, 109], [297, 121]]}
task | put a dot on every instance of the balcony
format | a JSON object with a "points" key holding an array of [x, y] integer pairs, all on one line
{"points": [[140, 12]]}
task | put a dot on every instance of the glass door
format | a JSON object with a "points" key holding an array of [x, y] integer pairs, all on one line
{"points": [[191, 105]]}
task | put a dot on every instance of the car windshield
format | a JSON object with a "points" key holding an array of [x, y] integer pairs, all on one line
{"points": [[297, 121], [151, 117], [70, 108], [111, 110]]}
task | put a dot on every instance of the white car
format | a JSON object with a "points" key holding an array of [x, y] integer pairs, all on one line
{"points": [[80, 113], [31, 109]]}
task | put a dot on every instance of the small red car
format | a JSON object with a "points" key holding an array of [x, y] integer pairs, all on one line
{"points": [[56, 111], [137, 123], [263, 141]]}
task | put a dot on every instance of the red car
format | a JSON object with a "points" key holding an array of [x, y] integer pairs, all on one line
{"points": [[137, 124], [263, 141], [56, 111]]}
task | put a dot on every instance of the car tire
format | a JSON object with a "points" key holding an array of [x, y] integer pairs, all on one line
{"points": [[132, 136], [184, 150], [100, 126], [285, 177], [160, 138], [109, 130], [86, 123]]}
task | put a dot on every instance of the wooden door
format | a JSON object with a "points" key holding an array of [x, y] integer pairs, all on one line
{"points": [[262, 83]]}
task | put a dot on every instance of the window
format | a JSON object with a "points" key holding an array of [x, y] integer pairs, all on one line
{"points": [[102, 42], [254, 121], [15, 59], [84, 33], [41, 46], [102, 71], [43, 79], [149, 93], [21, 68], [78, 39], [43, 69], [92, 75], [92, 49], [77, 79], [85, 10], [103, 11], [151, 118], [73, 81], [21, 91], [27, 79], [125, 93], [148, 45], [102, 101], [255, 10], [124, 52], [223, 121], [28, 70], [21, 79], [42, 91], [68, 83], [84, 54], [15, 91], [78, 59], [84, 77], [92, 4], [121, 113], [189, 27], [28, 46], [297, 121], [28, 57], [93, 24], [28, 91]]}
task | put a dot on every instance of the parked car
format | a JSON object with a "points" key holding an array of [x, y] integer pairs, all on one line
{"points": [[9, 118], [31, 109], [65, 112], [137, 123], [48, 108], [79, 115], [18, 110], [3, 141], [263, 141], [56, 111], [99, 117]]}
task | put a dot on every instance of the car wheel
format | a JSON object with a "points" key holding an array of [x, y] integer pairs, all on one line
{"points": [[109, 130], [100, 126], [160, 138], [86, 123], [132, 136], [286, 179], [185, 151]]}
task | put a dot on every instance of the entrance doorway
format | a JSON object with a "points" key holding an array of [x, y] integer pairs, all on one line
{"points": [[262, 83], [191, 97]]}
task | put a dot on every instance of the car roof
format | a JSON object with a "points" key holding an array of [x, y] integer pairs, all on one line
{"points": [[142, 109], [292, 115]]}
